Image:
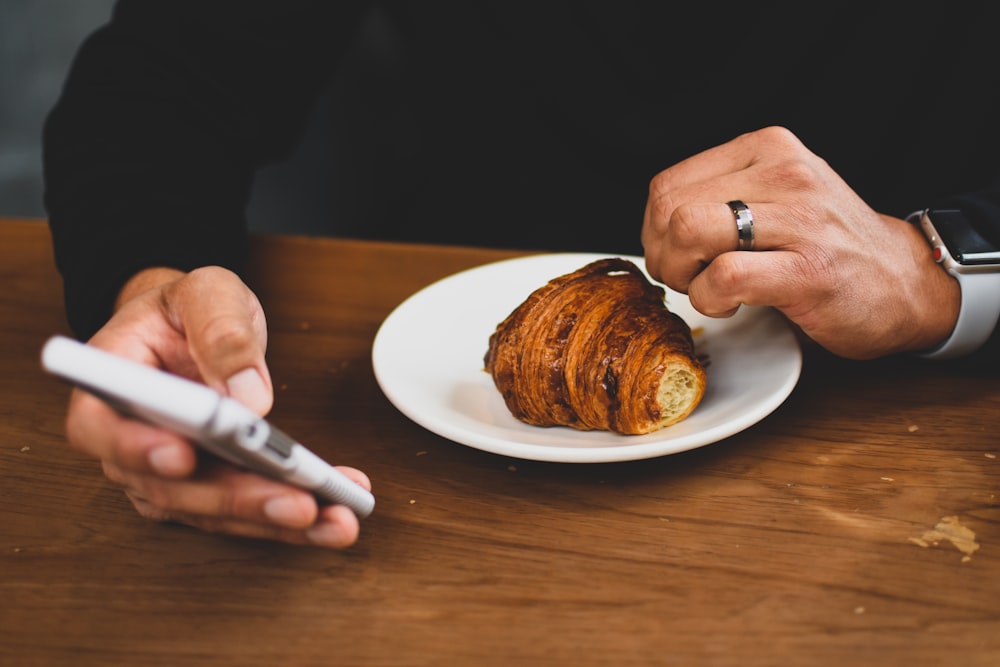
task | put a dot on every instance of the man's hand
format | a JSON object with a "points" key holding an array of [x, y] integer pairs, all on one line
{"points": [[861, 284], [208, 326]]}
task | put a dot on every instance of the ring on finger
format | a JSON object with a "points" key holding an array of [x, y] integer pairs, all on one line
{"points": [[744, 224]]}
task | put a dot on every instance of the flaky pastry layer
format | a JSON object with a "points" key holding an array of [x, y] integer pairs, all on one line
{"points": [[597, 349]]}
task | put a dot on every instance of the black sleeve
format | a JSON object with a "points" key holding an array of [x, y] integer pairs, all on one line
{"points": [[149, 153]]}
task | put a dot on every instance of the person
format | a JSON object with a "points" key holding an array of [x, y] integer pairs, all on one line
{"points": [[755, 154]]}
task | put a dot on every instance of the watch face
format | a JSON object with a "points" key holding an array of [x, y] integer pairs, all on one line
{"points": [[965, 244]]}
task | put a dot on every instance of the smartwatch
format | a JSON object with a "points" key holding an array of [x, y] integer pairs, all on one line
{"points": [[975, 262]]}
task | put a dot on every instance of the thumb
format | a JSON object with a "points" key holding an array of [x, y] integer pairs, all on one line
{"points": [[226, 334], [251, 389]]}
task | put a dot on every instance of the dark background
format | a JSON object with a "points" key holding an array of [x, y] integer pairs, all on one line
{"points": [[38, 39]]}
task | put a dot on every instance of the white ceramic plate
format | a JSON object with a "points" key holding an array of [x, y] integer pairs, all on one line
{"points": [[428, 359]]}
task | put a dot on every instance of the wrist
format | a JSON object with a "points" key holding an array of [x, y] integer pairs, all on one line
{"points": [[971, 261]]}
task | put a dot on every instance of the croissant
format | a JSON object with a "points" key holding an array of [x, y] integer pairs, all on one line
{"points": [[597, 349]]}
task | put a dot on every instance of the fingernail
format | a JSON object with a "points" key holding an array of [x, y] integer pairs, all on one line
{"points": [[248, 388], [286, 510], [327, 535], [169, 461]]}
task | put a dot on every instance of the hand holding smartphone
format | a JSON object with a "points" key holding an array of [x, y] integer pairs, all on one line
{"points": [[217, 423]]}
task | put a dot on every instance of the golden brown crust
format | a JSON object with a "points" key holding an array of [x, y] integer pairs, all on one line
{"points": [[597, 349]]}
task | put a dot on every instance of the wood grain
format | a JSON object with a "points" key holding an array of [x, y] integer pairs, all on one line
{"points": [[804, 540]]}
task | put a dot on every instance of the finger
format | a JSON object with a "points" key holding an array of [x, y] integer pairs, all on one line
{"points": [[734, 170], [227, 500], [97, 430], [719, 174], [206, 325], [685, 229], [775, 278], [226, 334], [694, 236], [221, 490], [699, 233], [733, 156], [356, 476], [335, 527]]}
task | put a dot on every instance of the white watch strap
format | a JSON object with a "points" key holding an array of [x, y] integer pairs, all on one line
{"points": [[977, 317]]}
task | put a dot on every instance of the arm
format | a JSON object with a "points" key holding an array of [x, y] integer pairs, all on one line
{"points": [[149, 157]]}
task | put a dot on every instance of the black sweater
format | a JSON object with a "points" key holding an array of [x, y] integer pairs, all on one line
{"points": [[533, 125]]}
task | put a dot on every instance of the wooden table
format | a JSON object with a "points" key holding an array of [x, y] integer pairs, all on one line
{"points": [[808, 539]]}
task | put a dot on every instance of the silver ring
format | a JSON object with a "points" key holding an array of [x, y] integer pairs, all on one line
{"points": [[744, 224]]}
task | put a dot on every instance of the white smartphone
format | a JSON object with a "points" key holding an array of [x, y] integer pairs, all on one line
{"points": [[218, 423]]}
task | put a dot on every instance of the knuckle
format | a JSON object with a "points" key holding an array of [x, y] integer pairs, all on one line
{"points": [[226, 334], [778, 136], [228, 505], [659, 184], [729, 273], [156, 499], [662, 206], [113, 472], [793, 174], [147, 508], [226, 494], [209, 275], [147, 511], [662, 210], [686, 225]]}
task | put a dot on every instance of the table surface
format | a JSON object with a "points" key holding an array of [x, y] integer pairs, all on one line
{"points": [[857, 524]]}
